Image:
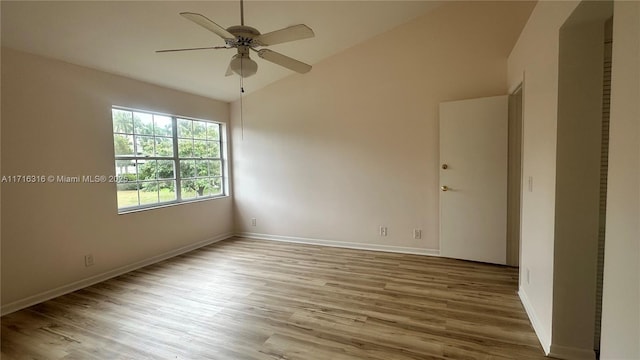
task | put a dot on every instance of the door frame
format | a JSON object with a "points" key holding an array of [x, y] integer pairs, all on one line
{"points": [[514, 176]]}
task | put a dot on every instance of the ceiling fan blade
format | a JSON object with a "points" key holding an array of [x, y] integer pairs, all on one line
{"points": [[292, 33], [208, 24], [189, 49], [282, 60]]}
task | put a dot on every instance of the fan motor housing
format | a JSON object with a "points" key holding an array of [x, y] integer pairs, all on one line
{"points": [[244, 35]]}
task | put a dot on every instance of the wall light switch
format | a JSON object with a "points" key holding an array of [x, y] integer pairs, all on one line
{"points": [[530, 183]]}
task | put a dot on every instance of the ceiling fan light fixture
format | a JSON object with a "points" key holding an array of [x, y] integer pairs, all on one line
{"points": [[243, 65]]}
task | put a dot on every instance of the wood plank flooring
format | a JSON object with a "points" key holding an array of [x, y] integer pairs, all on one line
{"points": [[249, 299]]}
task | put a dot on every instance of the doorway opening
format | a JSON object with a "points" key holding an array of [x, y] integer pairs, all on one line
{"points": [[514, 177]]}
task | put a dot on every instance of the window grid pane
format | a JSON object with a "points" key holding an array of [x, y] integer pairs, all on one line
{"points": [[153, 157]]}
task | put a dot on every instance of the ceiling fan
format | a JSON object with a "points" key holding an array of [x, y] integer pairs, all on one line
{"points": [[246, 39]]}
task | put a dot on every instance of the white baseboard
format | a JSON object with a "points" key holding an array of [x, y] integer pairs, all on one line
{"points": [[543, 336], [341, 244], [571, 353], [552, 350], [77, 285]]}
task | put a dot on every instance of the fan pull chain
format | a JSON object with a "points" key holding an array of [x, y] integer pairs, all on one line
{"points": [[241, 111]]}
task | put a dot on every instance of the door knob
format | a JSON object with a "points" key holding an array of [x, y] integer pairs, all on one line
{"points": [[444, 188], [445, 166]]}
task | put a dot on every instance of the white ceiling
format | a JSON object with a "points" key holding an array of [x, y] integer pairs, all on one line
{"points": [[121, 36]]}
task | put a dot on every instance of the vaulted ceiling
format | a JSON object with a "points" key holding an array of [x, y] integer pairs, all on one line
{"points": [[121, 37]]}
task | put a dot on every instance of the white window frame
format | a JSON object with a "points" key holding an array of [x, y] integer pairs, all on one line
{"points": [[222, 144]]}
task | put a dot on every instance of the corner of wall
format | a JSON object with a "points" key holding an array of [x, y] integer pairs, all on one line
{"points": [[534, 61], [541, 332]]}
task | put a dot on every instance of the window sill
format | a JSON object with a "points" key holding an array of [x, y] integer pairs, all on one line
{"points": [[169, 204]]}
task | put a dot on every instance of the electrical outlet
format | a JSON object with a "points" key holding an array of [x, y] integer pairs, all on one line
{"points": [[417, 234], [383, 231], [88, 260], [253, 221]]}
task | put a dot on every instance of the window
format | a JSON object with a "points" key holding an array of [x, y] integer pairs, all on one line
{"points": [[162, 159]]}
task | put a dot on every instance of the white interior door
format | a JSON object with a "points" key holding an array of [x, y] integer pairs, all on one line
{"points": [[473, 179]]}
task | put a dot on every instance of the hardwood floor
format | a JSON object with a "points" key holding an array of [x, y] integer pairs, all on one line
{"points": [[248, 299]]}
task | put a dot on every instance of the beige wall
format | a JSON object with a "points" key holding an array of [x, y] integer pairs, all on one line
{"points": [[56, 119], [353, 144], [0, 174], [621, 299]]}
